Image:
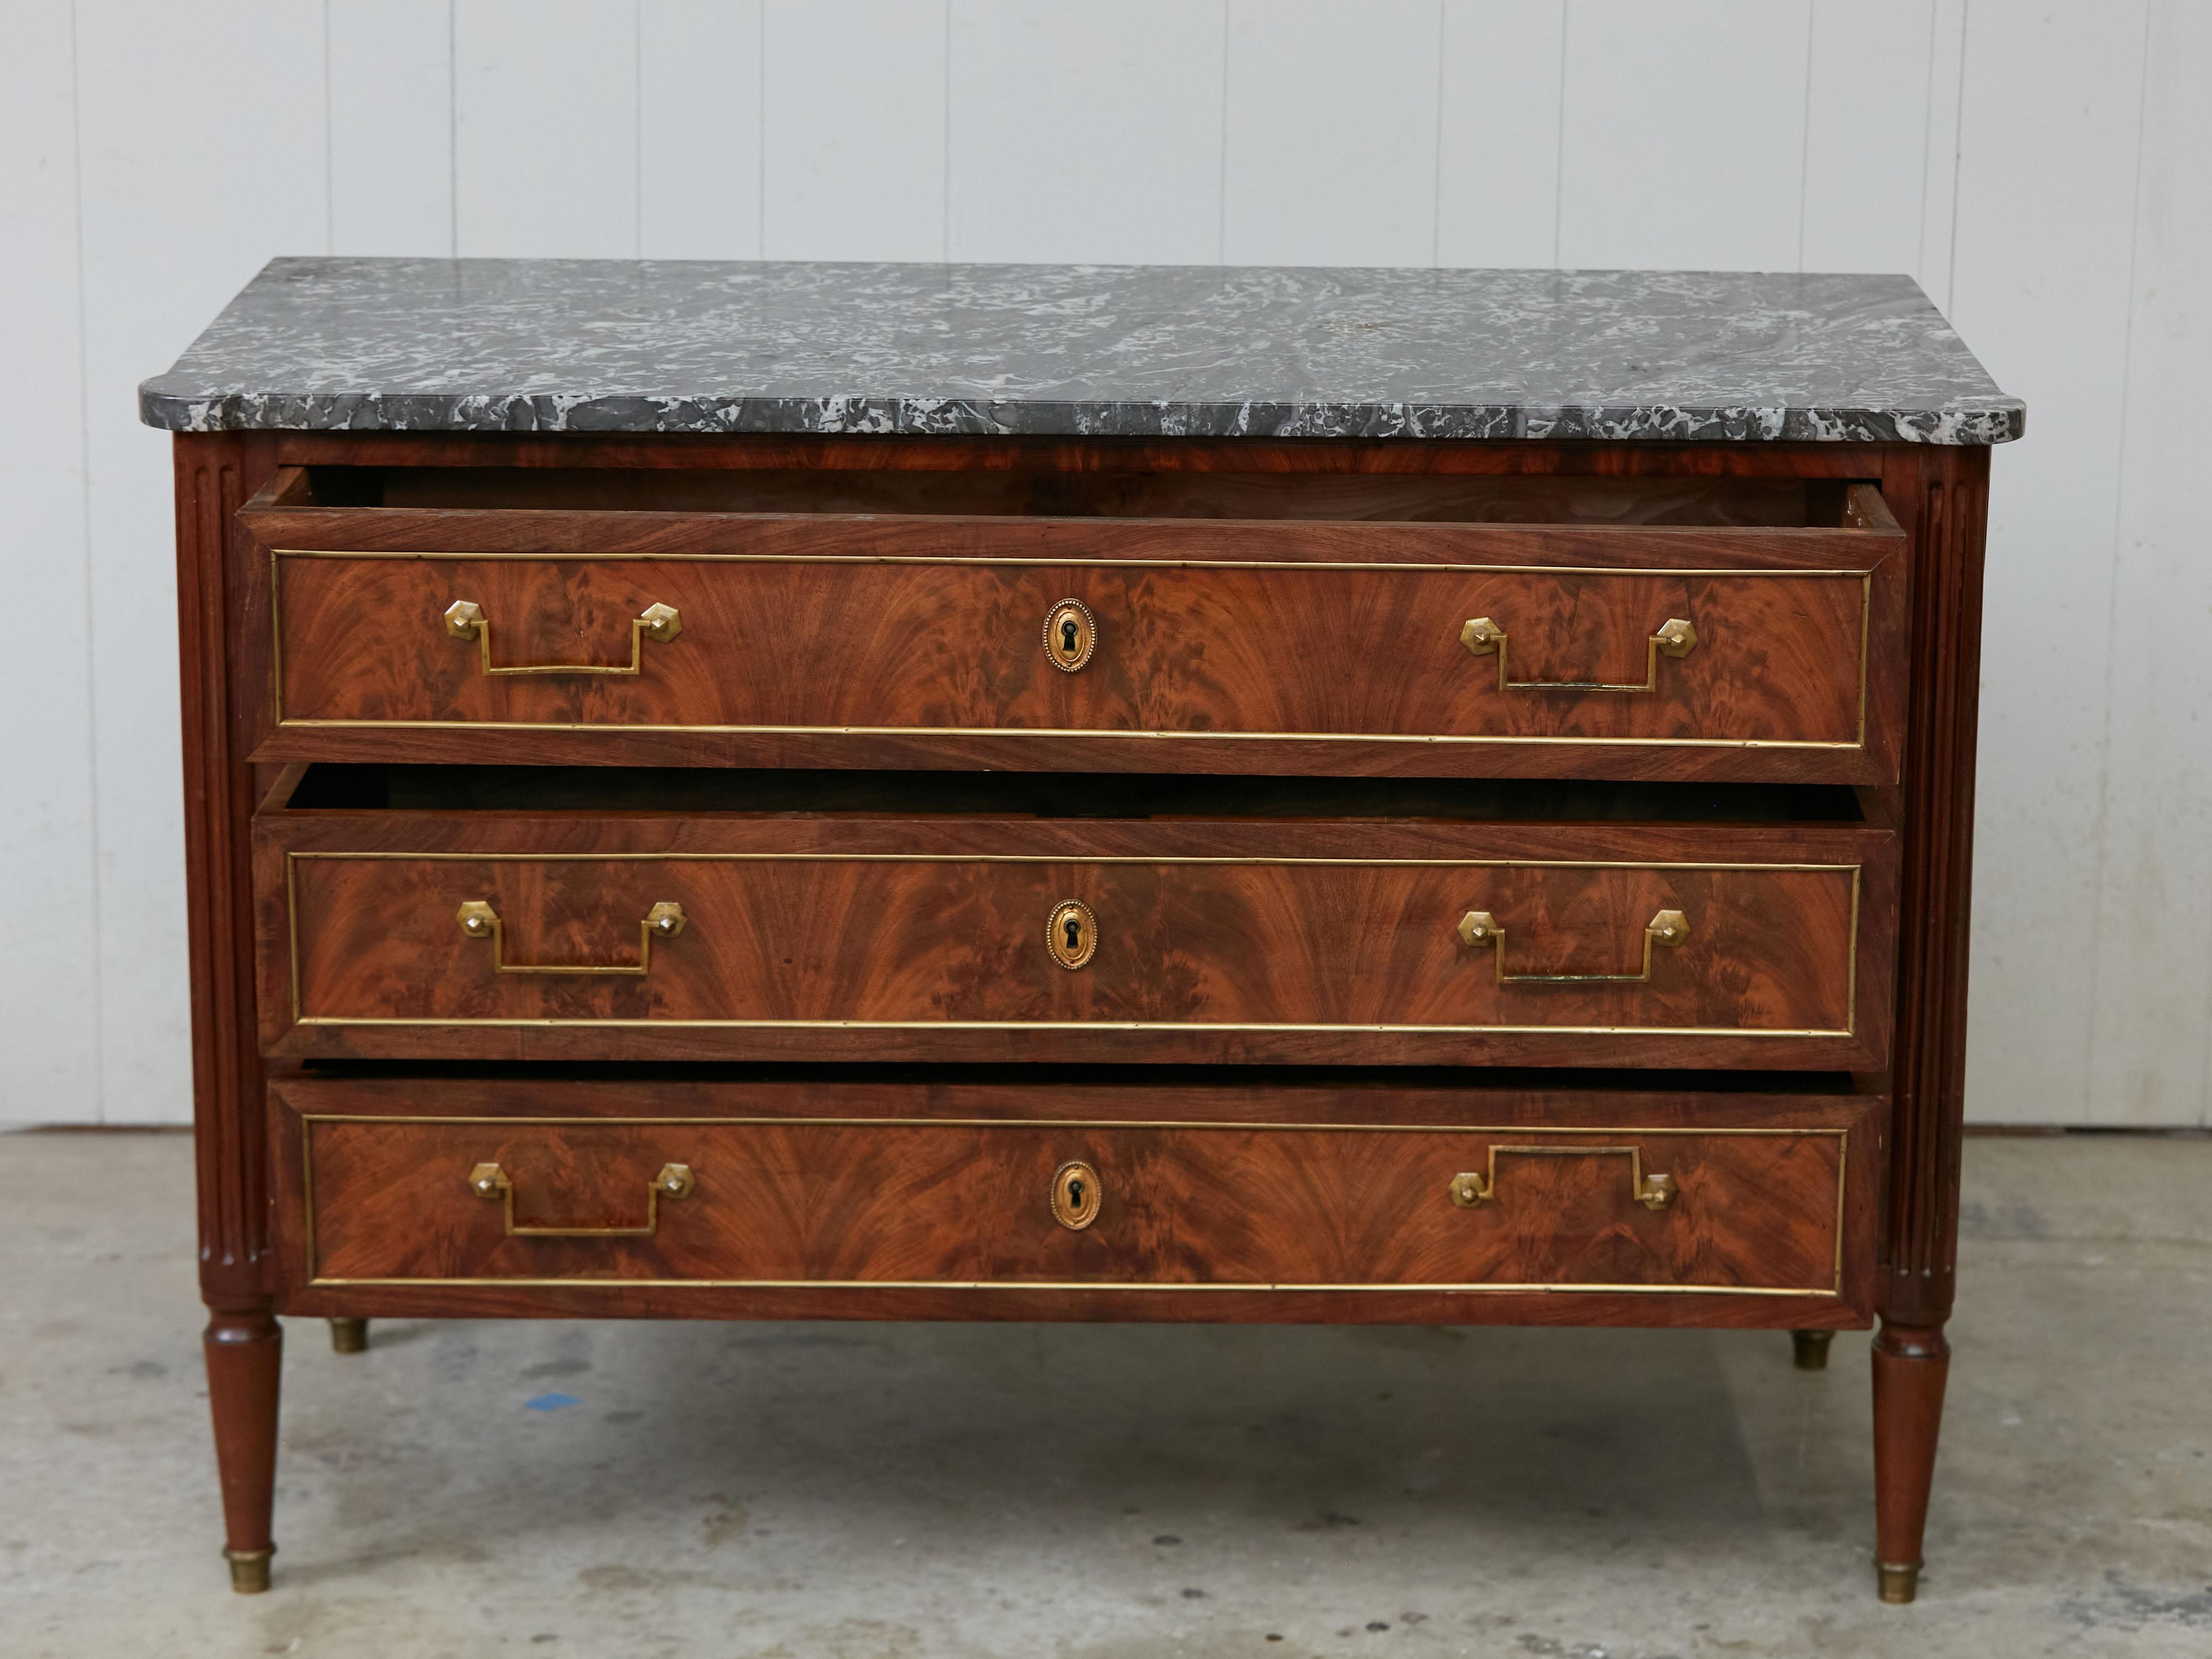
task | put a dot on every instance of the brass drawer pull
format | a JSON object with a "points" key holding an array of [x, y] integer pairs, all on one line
{"points": [[1675, 638], [1070, 636], [1479, 928], [465, 620], [1653, 1191], [674, 1180], [479, 920], [1075, 1195]]}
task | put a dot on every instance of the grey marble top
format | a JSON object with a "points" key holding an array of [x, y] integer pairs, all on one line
{"points": [[621, 345]]}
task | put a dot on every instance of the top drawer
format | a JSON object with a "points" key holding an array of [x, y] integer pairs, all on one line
{"points": [[1367, 624]]}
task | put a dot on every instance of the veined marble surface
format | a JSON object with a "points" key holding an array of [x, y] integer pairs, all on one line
{"points": [[625, 345]]}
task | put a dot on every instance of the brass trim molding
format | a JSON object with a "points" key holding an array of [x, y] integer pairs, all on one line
{"points": [[1520, 1131], [1452, 1288], [293, 858], [1863, 577]]}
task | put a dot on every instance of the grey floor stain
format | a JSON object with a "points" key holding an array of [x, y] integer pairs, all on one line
{"points": [[2133, 1607]]}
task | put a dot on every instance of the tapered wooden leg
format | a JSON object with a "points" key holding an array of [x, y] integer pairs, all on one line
{"points": [[1910, 1363], [348, 1336], [1811, 1348], [245, 1354]]}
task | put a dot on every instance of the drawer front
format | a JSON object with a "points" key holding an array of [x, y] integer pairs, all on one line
{"points": [[1715, 947], [951, 1203], [1257, 647]]}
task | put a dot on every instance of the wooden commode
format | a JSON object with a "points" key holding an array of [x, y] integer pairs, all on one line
{"points": [[1053, 793]]}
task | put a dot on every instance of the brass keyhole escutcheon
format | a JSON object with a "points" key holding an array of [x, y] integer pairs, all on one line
{"points": [[1070, 933], [1070, 636], [1075, 1195]]}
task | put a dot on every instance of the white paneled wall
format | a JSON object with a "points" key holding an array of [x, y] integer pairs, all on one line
{"points": [[2041, 168]]}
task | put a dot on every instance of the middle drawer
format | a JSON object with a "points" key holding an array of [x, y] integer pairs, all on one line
{"points": [[638, 934]]}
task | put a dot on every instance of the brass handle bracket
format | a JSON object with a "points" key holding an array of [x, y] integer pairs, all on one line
{"points": [[1471, 1189], [479, 920], [1478, 930], [465, 620], [1483, 637], [673, 1181]]}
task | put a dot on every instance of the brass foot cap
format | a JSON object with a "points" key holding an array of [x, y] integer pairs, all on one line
{"points": [[1900, 1580], [348, 1336], [1811, 1348], [249, 1570]]}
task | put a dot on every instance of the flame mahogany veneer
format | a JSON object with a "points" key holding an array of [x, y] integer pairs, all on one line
{"points": [[1265, 608], [1224, 645], [923, 1200]]}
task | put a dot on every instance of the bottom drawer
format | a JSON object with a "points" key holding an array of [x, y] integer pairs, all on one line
{"points": [[1161, 1188]]}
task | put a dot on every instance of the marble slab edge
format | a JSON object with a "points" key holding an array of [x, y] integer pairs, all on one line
{"points": [[1995, 421]]}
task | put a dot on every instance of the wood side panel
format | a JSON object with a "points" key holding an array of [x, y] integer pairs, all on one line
{"points": [[214, 475], [1943, 496], [948, 1183], [855, 937]]}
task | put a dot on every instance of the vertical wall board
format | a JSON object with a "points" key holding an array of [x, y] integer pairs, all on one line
{"points": [[1498, 149], [1685, 134], [2150, 1055], [699, 130], [1332, 133], [2046, 227], [1698, 132], [49, 978], [1086, 133], [1866, 135], [1939, 190], [391, 127], [545, 128], [176, 217], [853, 164]]}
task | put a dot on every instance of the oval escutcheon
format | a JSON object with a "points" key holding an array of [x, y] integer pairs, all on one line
{"points": [[1070, 636], [1070, 933], [1075, 1195]]}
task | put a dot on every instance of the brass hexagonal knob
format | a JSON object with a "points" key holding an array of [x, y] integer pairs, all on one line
{"points": [[1481, 636], [1478, 928], [1676, 637]]}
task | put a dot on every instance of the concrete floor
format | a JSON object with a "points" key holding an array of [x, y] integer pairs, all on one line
{"points": [[812, 1491]]}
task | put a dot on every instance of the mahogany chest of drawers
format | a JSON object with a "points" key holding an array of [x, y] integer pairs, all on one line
{"points": [[1434, 821]]}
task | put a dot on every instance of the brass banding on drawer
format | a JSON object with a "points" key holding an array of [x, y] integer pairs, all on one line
{"points": [[1226, 645], [1196, 1206]]}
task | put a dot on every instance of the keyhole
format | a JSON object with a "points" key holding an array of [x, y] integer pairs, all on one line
{"points": [[1075, 1195], [1067, 632], [1073, 926]]}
